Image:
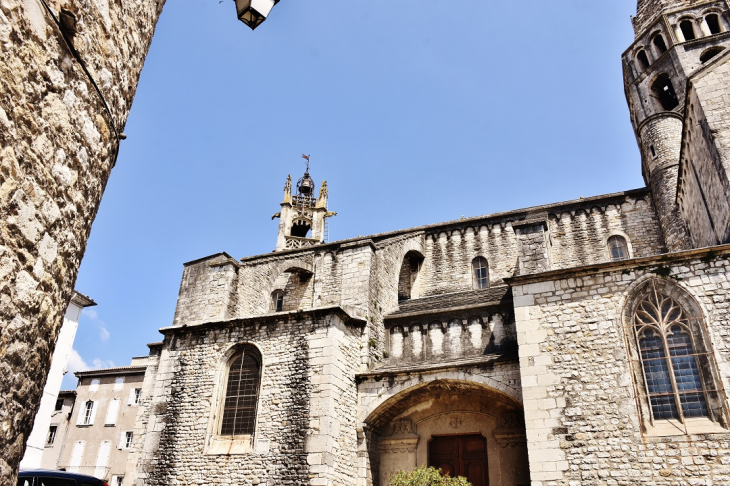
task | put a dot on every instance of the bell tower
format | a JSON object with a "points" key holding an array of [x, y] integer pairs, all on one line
{"points": [[303, 217], [673, 40]]}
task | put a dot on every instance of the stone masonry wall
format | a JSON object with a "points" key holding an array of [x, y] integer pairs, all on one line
{"points": [[703, 191], [581, 411], [705, 203], [305, 432], [57, 147], [579, 235]]}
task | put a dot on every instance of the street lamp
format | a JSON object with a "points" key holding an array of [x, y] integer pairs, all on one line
{"points": [[254, 12]]}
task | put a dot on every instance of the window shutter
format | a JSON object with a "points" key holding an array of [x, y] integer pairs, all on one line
{"points": [[102, 458], [93, 412], [131, 397], [112, 412], [82, 410], [76, 455], [122, 435]]}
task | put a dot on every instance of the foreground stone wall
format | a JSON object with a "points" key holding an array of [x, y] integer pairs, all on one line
{"points": [[57, 147], [583, 408]]}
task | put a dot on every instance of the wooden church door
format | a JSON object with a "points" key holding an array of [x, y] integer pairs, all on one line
{"points": [[460, 455]]}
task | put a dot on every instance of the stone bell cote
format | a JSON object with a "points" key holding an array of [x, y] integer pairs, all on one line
{"points": [[303, 217]]}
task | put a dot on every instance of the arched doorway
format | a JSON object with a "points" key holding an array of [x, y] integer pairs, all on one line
{"points": [[463, 427]]}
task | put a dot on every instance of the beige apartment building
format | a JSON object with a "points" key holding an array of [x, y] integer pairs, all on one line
{"points": [[99, 431]]}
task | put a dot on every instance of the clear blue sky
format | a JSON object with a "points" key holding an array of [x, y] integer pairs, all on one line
{"points": [[414, 111]]}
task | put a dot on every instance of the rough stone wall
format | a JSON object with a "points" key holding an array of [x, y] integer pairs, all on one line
{"points": [[705, 202], [449, 253], [207, 290], [581, 410], [305, 432], [579, 235], [664, 134], [57, 148], [534, 246]]}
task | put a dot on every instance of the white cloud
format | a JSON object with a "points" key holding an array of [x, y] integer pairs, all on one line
{"points": [[93, 316], [103, 334], [100, 363], [76, 362]]}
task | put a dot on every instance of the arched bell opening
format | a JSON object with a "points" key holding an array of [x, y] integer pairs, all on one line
{"points": [[462, 427], [408, 275], [301, 227]]}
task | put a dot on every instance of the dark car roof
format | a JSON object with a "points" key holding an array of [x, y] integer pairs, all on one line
{"points": [[50, 473]]}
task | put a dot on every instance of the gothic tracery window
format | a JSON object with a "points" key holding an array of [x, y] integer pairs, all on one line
{"points": [[673, 358], [241, 394]]}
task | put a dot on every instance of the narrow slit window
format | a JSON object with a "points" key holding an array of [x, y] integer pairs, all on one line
{"points": [[480, 273], [242, 390], [618, 249], [652, 150]]}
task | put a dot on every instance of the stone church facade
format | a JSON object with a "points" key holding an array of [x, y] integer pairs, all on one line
{"points": [[582, 342]]}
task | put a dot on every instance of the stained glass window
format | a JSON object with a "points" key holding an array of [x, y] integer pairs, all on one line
{"points": [[668, 358]]}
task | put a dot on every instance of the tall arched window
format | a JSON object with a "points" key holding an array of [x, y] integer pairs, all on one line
{"points": [[480, 273], [277, 300], [713, 23], [664, 92], [687, 29], [673, 355], [643, 59], [618, 249], [408, 275], [659, 43], [242, 392]]}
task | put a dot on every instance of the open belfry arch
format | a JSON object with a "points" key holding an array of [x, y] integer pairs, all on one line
{"points": [[303, 217]]}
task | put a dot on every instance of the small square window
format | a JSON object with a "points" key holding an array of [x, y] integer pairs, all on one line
{"points": [[59, 405]]}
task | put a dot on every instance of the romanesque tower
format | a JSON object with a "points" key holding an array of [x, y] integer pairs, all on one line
{"points": [[303, 217], [674, 39]]}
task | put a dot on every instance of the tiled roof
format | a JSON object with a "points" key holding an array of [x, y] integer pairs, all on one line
{"points": [[454, 301]]}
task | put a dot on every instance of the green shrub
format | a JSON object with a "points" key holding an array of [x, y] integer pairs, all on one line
{"points": [[425, 476]]}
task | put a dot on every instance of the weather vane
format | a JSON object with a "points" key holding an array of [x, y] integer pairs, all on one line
{"points": [[306, 157]]}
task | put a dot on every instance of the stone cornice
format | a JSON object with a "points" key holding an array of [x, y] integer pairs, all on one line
{"points": [[350, 314], [633, 263]]}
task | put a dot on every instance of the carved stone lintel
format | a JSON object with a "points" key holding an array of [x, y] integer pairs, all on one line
{"points": [[511, 430], [402, 428], [398, 445]]}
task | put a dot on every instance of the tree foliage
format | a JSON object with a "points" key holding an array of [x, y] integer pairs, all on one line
{"points": [[425, 476]]}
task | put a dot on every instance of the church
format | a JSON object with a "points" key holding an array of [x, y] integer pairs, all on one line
{"points": [[574, 343]]}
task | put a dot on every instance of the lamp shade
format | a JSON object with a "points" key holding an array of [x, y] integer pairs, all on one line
{"points": [[254, 12]]}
